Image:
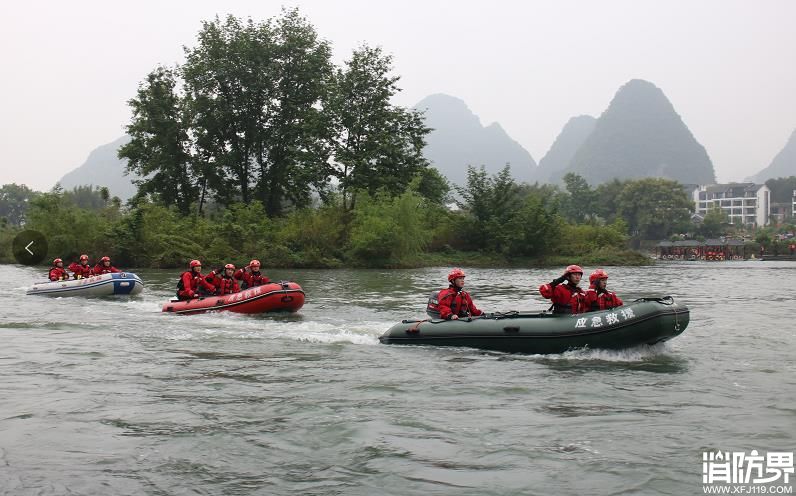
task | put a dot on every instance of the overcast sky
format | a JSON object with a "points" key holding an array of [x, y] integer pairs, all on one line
{"points": [[729, 67]]}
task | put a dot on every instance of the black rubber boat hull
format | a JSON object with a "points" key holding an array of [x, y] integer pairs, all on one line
{"points": [[646, 321]]}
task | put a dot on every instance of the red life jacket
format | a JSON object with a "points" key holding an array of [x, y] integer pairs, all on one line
{"points": [[224, 285], [459, 303], [190, 284], [251, 279], [566, 299], [601, 300], [58, 274], [257, 279], [81, 271], [101, 269], [228, 286]]}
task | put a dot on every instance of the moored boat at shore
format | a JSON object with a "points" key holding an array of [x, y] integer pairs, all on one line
{"points": [[273, 297], [644, 321]]}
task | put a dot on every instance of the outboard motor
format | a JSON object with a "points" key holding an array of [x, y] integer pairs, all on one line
{"points": [[432, 309]]}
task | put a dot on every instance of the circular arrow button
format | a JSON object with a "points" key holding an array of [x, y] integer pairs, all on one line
{"points": [[29, 247]]}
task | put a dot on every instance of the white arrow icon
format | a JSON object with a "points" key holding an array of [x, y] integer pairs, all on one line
{"points": [[27, 248]]}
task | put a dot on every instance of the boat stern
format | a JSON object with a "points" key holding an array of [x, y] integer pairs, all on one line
{"points": [[127, 283]]}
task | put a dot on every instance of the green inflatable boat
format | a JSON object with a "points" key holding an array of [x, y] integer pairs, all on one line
{"points": [[644, 321]]}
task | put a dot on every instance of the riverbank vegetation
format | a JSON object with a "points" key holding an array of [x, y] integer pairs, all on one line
{"points": [[491, 221]]}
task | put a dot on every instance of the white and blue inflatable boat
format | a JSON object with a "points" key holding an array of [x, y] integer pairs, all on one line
{"points": [[116, 284]]}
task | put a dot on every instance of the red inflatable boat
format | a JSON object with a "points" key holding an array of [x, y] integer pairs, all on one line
{"points": [[273, 297]]}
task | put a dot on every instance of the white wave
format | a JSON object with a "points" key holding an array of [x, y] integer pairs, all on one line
{"points": [[634, 354], [137, 305], [363, 333], [228, 325]]}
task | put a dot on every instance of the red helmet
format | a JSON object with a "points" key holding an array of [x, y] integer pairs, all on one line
{"points": [[83, 257], [57, 261], [455, 274], [598, 274], [105, 259], [229, 266], [573, 269], [254, 263], [195, 263]]}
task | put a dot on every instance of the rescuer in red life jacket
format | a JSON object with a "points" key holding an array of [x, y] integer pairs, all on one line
{"points": [[597, 296], [251, 276], [58, 273], [191, 283], [454, 302], [83, 269], [104, 267], [567, 298], [224, 284]]}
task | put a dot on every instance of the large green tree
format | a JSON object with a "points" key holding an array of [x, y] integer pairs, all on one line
{"points": [[491, 202], [606, 196], [159, 150], [579, 201], [223, 90], [259, 112], [506, 218], [376, 145], [297, 139], [714, 223], [14, 202], [432, 186], [653, 208], [255, 90], [536, 226]]}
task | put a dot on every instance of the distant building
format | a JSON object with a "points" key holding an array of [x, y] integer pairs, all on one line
{"points": [[794, 205], [744, 203]]}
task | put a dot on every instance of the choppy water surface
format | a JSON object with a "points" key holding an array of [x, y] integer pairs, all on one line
{"points": [[114, 397]]}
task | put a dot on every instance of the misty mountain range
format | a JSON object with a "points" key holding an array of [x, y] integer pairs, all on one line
{"points": [[783, 165], [103, 168], [568, 142], [639, 135], [458, 139]]}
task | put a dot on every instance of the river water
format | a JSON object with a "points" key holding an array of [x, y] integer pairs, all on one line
{"points": [[114, 397]]}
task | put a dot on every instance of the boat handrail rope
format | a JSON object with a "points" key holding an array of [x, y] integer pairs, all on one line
{"points": [[502, 315], [430, 321], [666, 300]]}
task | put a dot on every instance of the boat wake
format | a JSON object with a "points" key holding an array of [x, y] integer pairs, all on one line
{"points": [[640, 354], [313, 332], [227, 325], [635, 354], [657, 358]]}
